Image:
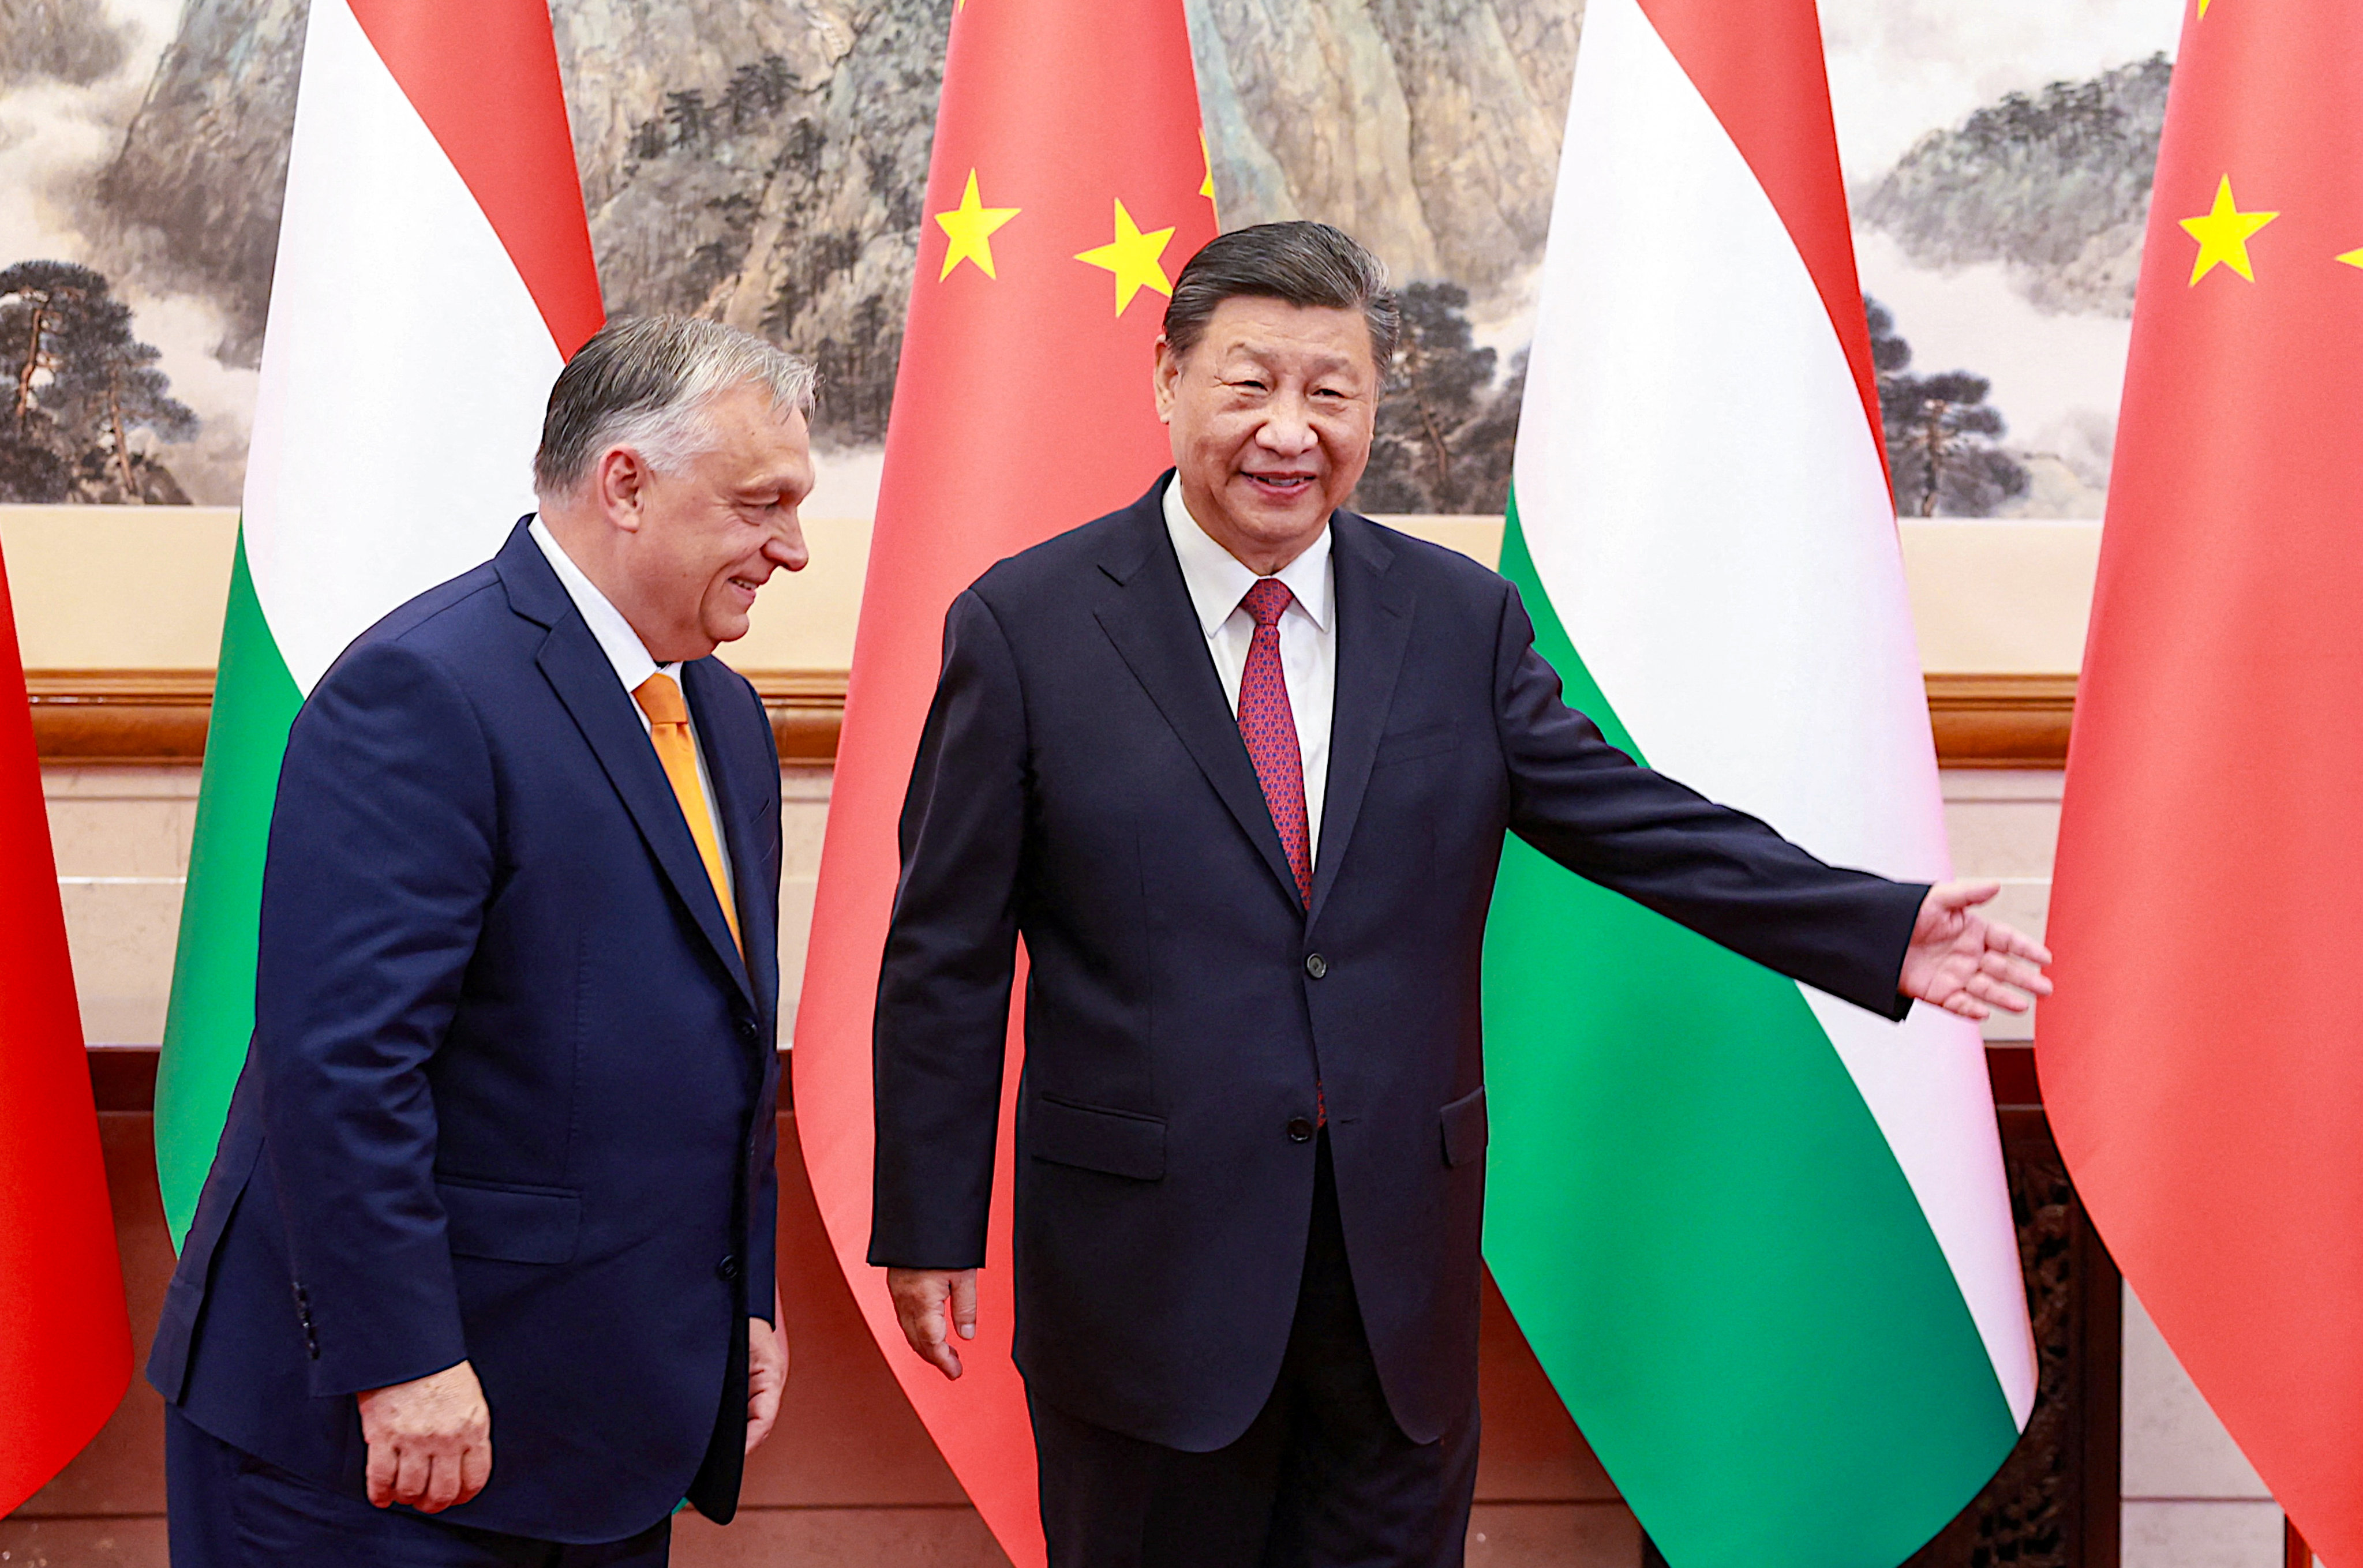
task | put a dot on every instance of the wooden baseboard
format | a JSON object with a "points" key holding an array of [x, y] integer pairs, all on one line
{"points": [[157, 716], [808, 709], [152, 716], [2002, 721]]}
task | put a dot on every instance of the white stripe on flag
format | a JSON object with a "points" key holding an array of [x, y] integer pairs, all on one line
{"points": [[385, 458]]}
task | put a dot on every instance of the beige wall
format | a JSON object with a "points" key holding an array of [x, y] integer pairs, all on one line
{"points": [[117, 587], [141, 588]]}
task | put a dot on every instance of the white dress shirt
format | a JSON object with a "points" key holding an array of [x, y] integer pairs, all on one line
{"points": [[1308, 636], [633, 665]]}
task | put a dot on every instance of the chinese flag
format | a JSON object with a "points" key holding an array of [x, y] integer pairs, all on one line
{"points": [[1068, 186], [66, 1341], [2204, 1059]]}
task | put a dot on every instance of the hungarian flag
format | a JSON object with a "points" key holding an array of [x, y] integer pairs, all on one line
{"points": [[434, 275], [1068, 185], [1759, 1238], [65, 1341], [2202, 1065]]}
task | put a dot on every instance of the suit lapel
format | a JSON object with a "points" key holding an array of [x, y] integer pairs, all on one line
{"points": [[1374, 615], [1154, 627], [586, 683], [740, 759]]}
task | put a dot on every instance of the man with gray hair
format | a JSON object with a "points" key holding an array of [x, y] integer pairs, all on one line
{"points": [[483, 1273], [1237, 765]]}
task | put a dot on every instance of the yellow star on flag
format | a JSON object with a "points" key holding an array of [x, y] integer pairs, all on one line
{"points": [[2222, 235], [1134, 257], [970, 227], [1207, 190], [2352, 258]]}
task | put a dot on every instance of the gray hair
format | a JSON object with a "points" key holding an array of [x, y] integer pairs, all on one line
{"points": [[642, 382], [1300, 263]]}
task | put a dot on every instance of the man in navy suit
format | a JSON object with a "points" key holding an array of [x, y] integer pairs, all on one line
{"points": [[483, 1272], [1237, 764]]}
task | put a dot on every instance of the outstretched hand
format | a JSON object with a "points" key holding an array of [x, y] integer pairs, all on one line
{"points": [[1968, 965]]}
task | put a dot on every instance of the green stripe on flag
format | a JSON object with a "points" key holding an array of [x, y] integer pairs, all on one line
{"points": [[212, 1012], [1704, 1233]]}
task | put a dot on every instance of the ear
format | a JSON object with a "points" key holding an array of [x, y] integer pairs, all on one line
{"points": [[1165, 377], [620, 481]]}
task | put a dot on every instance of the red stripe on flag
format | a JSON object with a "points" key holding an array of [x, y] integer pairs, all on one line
{"points": [[1021, 408], [1758, 66], [65, 1336], [2202, 1062], [484, 78]]}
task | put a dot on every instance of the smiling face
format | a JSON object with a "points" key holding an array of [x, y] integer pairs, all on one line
{"points": [[1270, 414], [685, 549]]}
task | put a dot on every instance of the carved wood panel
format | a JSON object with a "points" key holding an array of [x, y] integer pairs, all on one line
{"points": [[2053, 1503]]}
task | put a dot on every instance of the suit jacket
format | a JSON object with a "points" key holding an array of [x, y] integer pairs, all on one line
{"points": [[510, 1095], [1082, 782]]}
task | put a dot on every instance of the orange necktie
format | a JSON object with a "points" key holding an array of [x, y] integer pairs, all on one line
{"points": [[660, 699]]}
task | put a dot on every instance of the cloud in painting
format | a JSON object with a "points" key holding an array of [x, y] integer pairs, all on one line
{"points": [[1901, 67]]}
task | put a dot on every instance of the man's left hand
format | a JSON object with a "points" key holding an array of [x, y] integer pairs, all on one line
{"points": [[767, 1373], [1968, 965]]}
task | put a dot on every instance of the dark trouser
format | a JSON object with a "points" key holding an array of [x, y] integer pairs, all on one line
{"points": [[1323, 1478], [229, 1510]]}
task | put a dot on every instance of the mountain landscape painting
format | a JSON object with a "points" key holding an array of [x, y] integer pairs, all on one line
{"points": [[1999, 159], [766, 164]]}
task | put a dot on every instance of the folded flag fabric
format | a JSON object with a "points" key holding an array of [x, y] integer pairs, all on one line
{"points": [[434, 274], [1759, 1239], [1068, 185], [65, 1340], [2201, 1072]]}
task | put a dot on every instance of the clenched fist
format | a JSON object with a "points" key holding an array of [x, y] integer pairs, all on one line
{"points": [[430, 1439]]}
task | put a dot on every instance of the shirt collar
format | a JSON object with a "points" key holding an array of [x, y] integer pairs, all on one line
{"points": [[1217, 580], [615, 637]]}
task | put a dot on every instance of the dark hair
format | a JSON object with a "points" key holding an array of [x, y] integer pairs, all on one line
{"points": [[642, 382], [1308, 264]]}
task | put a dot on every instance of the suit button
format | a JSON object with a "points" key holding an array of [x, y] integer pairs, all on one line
{"points": [[727, 1269], [1300, 1131], [1316, 966], [746, 1029]]}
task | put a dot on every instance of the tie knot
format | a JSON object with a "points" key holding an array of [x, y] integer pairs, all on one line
{"points": [[1268, 601], [660, 699]]}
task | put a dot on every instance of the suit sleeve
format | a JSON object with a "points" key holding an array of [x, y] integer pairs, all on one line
{"points": [[1720, 872], [381, 862], [943, 990], [763, 1219]]}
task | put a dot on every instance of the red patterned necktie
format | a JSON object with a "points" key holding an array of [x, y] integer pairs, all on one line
{"points": [[1269, 726]]}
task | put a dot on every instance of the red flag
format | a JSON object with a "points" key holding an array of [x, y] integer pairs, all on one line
{"points": [[65, 1340], [1068, 184], [2204, 1059]]}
